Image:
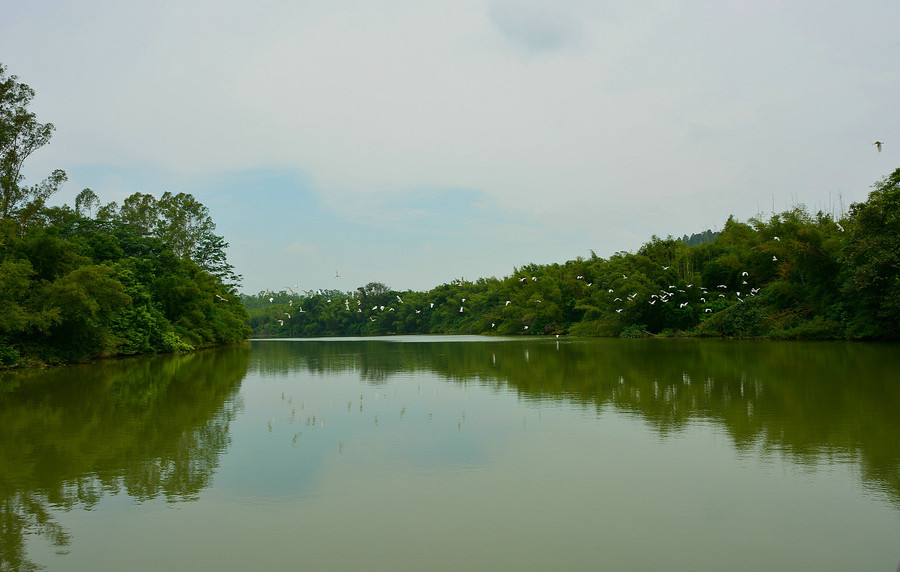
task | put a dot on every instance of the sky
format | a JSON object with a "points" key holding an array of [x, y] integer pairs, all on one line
{"points": [[414, 143]]}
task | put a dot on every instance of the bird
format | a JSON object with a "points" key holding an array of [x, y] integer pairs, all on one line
{"points": [[774, 259], [776, 238], [221, 298], [878, 145], [745, 273], [508, 302], [840, 228], [399, 299], [460, 308], [337, 274]]}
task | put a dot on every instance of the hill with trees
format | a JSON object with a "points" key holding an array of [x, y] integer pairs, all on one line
{"points": [[794, 275], [102, 280]]}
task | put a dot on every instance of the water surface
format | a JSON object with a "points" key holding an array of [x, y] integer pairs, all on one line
{"points": [[447, 453]]}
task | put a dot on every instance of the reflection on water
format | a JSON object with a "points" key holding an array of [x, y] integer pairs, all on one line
{"points": [[807, 401], [146, 427], [310, 425]]}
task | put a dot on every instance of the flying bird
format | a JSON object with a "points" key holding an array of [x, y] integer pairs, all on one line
{"points": [[878, 145]]}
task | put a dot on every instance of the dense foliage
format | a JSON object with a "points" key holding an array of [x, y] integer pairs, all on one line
{"points": [[795, 275], [148, 277]]}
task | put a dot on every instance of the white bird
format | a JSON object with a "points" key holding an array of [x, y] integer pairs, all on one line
{"points": [[337, 274], [508, 302], [432, 304], [707, 310], [221, 298], [399, 299], [878, 145], [493, 324], [301, 310], [271, 299], [619, 311], [840, 228], [288, 315], [776, 238], [460, 308], [682, 305], [745, 273], [280, 322], [774, 259]]}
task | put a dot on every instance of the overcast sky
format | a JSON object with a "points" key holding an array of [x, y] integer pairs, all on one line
{"points": [[416, 142]]}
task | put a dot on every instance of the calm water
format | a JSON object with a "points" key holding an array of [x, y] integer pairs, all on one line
{"points": [[458, 453]]}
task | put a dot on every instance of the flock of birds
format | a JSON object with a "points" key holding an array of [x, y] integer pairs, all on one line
{"points": [[684, 297]]}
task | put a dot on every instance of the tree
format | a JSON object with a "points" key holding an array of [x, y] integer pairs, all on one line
{"points": [[85, 202], [872, 255], [20, 136]]}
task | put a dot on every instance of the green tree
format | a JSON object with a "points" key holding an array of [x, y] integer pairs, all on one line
{"points": [[20, 135], [872, 255]]}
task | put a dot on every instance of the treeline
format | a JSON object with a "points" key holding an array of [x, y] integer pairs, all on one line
{"points": [[795, 275], [102, 280]]}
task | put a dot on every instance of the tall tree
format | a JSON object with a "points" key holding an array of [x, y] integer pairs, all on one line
{"points": [[21, 135]]}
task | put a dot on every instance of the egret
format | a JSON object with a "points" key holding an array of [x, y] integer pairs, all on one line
{"points": [[508, 302], [460, 308], [399, 299], [774, 259], [840, 228], [776, 238], [221, 298]]}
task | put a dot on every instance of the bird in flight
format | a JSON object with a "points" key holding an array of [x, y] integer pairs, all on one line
{"points": [[878, 145]]}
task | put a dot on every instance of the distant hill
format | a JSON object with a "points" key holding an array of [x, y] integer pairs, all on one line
{"points": [[699, 238]]}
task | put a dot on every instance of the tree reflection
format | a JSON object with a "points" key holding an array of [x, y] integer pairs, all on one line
{"points": [[148, 427], [812, 403]]}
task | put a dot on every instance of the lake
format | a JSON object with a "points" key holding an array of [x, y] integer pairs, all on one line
{"points": [[458, 453]]}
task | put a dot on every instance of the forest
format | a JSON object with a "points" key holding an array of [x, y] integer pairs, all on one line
{"points": [[100, 280], [793, 275]]}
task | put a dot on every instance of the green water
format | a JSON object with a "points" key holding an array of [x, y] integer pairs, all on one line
{"points": [[458, 453]]}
